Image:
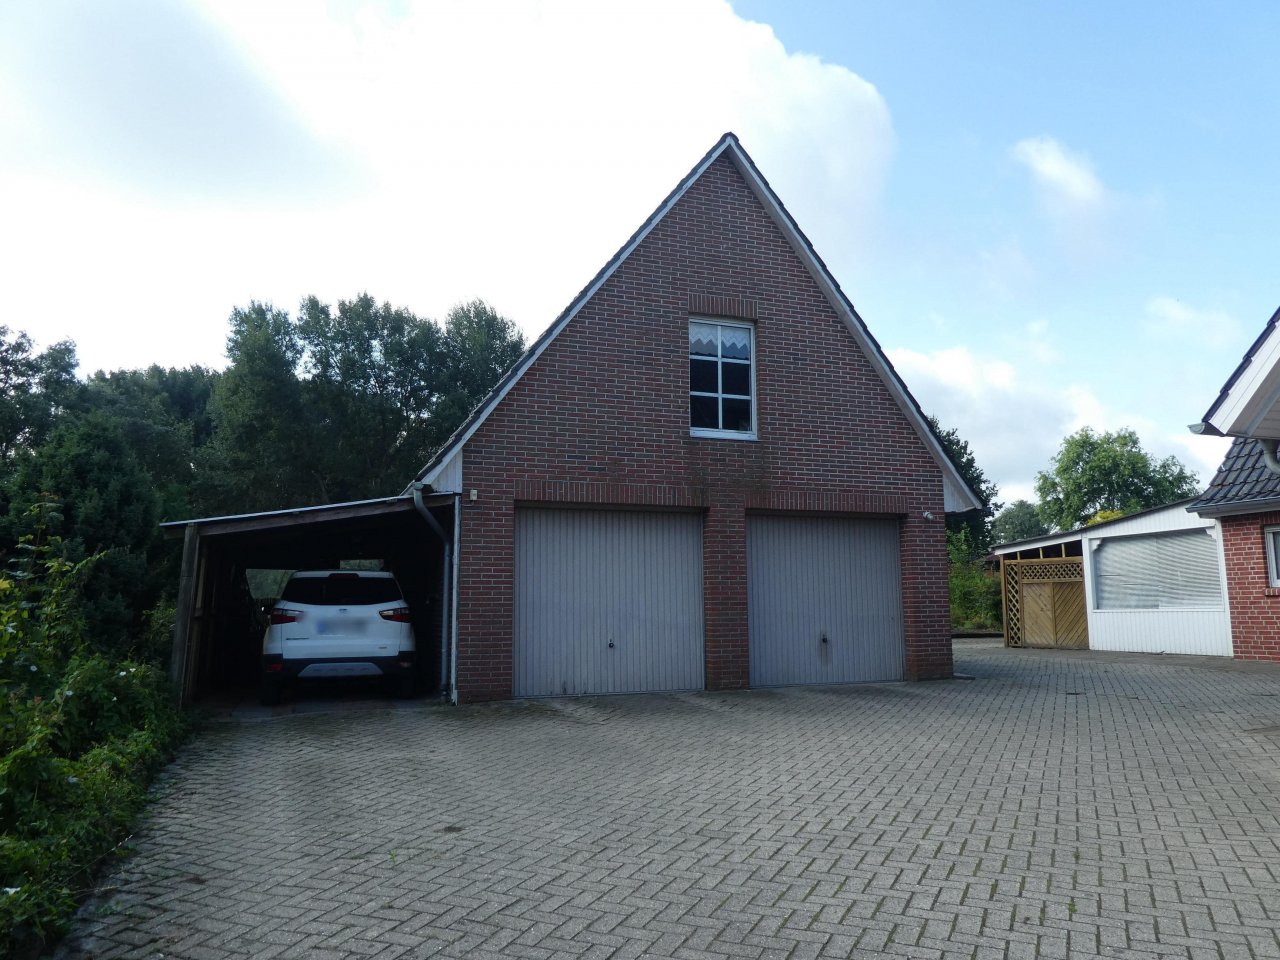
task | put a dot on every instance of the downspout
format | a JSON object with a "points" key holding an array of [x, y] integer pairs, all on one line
{"points": [[1268, 446], [446, 569], [453, 612]]}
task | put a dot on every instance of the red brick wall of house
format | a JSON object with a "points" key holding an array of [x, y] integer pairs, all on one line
{"points": [[603, 417], [1254, 603]]}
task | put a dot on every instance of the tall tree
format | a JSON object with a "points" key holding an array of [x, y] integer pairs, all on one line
{"points": [[1092, 472], [263, 453], [34, 388], [480, 345], [165, 419], [373, 374], [343, 404], [108, 505], [1018, 521], [975, 525]]}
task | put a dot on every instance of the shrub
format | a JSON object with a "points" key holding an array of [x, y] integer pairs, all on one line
{"points": [[975, 593], [80, 738]]}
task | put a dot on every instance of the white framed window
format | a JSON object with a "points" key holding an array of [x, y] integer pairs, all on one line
{"points": [[1272, 535], [722, 380], [1162, 571]]}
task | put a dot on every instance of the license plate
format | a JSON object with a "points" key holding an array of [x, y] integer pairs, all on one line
{"points": [[339, 626]]}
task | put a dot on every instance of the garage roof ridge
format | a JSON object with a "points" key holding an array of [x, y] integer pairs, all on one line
{"points": [[954, 482]]}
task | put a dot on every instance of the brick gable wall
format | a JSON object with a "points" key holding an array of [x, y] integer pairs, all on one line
{"points": [[1255, 605], [603, 417]]}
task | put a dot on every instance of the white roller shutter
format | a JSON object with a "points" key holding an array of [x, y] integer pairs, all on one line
{"points": [[1168, 570], [607, 602], [824, 600]]}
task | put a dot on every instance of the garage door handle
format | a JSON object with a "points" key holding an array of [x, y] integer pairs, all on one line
{"points": [[824, 638], [610, 644]]}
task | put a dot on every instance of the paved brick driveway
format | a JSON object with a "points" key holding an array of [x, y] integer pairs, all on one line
{"points": [[1059, 805]]}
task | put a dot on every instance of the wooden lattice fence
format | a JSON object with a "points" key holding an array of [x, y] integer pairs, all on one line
{"points": [[1055, 617]]}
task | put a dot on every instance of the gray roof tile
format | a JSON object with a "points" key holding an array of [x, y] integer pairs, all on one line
{"points": [[1242, 478]]}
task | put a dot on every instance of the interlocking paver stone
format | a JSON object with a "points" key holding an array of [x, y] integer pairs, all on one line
{"points": [[1063, 804]]}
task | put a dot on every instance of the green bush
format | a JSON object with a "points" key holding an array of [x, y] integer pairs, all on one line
{"points": [[80, 738], [975, 593]]}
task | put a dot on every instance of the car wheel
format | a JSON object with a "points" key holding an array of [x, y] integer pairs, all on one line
{"points": [[271, 691]]}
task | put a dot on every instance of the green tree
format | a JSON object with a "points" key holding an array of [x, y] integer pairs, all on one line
{"points": [[34, 388], [264, 452], [109, 506], [976, 524], [1018, 521], [480, 346], [373, 376], [1092, 472], [343, 404], [164, 415]]}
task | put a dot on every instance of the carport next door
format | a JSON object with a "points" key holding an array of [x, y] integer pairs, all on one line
{"points": [[607, 602], [824, 600]]}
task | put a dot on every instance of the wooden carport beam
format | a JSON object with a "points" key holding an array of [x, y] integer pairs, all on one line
{"points": [[183, 614]]}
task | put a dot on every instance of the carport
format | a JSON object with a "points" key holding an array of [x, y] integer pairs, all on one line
{"points": [[217, 635]]}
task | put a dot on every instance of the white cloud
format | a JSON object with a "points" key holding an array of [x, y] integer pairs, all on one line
{"points": [[494, 150], [1201, 454], [1067, 184], [1014, 416], [1170, 318]]}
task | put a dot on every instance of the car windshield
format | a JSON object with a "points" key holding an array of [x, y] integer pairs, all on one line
{"points": [[341, 590]]}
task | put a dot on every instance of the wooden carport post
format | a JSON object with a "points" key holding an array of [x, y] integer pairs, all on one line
{"points": [[181, 654]]}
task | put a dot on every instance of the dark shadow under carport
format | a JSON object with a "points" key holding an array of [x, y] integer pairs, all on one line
{"points": [[218, 633]]}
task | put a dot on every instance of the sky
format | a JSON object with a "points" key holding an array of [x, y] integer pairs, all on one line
{"points": [[1050, 215]]}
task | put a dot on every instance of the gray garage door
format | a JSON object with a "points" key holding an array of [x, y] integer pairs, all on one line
{"points": [[607, 602], [824, 600]]}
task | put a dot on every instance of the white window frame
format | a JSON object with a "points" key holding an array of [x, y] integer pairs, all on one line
{"points": [[720, 395], [1270, 534]]}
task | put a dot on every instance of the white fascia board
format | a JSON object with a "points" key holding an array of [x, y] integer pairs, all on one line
{"points": [[1050, 540], [447, 475], [1255, 394], [957, 496]]}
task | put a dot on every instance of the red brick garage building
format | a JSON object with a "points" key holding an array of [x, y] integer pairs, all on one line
{"points": [[704, 474]]}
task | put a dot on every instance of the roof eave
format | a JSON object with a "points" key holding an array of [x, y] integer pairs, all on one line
{"points": [[1236, 508], [1251, 392]]}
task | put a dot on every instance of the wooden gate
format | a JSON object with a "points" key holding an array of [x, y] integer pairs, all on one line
{"points": [[1044, 603]]}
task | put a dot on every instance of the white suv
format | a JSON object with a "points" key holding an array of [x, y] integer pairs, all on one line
{"points": [[339, 623]]}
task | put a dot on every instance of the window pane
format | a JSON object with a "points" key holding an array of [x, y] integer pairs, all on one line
{"points": [[341, 590], [702, 376], [737, 415], [702, 339], [735, 343], [737, 378], [1275, 556], [702, 412]]}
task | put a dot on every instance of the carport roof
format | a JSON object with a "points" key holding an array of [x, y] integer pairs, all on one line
{"points": [[291, 517]]}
